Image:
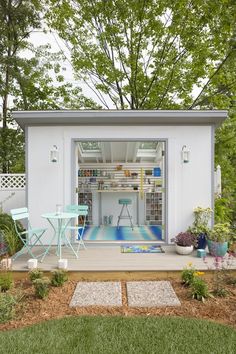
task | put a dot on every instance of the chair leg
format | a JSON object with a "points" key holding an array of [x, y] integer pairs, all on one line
{"points": [[38, 239], [70, 245], [80, 239], [120, 216], [130, 218], [82, 233], [48, 248], [24, 248]]}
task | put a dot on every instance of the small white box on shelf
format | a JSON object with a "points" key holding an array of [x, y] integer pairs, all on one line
{"points": [[32, 263], [62, 263]]}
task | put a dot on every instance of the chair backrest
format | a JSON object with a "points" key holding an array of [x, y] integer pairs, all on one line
{"points": [[78, 209], [19, 214]]}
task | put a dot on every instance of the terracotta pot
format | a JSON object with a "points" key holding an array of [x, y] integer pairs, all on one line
{"points": [[184, 250]]}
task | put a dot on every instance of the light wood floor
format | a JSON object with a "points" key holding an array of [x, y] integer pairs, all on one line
{"points": [[104, 258]]}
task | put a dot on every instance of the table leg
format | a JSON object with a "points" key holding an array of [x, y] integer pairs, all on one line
{"points": [[138, 209], [63, 229], [59, 236], [50, 244]]}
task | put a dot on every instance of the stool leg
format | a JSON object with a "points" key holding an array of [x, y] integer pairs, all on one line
{"points": [[130, 218], [119, 217]]}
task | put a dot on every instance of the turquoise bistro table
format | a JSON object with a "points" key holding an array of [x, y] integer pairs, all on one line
{"points": [[62, 221]]}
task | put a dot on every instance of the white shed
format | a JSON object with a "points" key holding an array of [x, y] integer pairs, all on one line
{"points": [[161, 161]]}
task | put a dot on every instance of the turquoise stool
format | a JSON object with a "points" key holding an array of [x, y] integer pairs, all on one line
{"points": [[125, 202]]}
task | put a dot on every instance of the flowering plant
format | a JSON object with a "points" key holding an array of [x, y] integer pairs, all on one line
{"points": [[188, 274], [184, 239], [201, 219], [220, 233], [192, 278], [202, 215]]}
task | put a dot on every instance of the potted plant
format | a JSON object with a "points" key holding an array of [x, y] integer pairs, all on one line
{"points": [[218, 238], [200, 227], [184, 242]]}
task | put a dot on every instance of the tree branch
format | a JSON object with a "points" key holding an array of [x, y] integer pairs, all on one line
{"points": [[194, 104]]}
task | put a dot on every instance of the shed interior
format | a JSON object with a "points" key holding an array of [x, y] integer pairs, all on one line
{"points": [[128, 175]]}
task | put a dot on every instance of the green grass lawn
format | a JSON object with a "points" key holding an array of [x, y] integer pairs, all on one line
{"points": [[121, 335]]}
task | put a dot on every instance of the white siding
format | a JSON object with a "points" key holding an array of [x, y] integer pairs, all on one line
{"points": [[189, 185]]}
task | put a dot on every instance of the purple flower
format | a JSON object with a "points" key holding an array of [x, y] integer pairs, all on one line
{"points": [[185, 239]]}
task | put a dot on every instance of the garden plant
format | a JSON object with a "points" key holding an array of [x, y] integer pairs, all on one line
{"points": [[6, 281], [41, 286], [199, 289], [7, 307], [11, 239], [200, 228], [59, 277], [35, 274]]}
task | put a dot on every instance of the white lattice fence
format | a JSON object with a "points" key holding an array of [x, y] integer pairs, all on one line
{"points": [[12, 192], [12, 181]]}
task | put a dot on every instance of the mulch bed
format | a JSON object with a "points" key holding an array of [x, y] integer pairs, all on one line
{"points": [[32, 310]]}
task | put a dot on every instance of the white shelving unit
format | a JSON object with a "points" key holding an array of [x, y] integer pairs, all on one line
{"points": [[154, 208], [96, 178]]}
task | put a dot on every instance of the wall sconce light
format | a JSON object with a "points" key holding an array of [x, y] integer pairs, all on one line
{"points": [[54, 154], [185, 154]]}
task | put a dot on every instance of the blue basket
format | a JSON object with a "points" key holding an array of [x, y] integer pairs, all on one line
{"points": [[157, 172]]}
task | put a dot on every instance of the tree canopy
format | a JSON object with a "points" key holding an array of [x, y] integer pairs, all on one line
{"points": [[132, 54], [30, 77], [149, 54]]}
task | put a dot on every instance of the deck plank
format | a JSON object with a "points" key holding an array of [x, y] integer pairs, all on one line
{"points": [[104, 258]]}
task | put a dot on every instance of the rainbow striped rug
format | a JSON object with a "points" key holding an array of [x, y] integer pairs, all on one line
{"points": [[124, 233]]}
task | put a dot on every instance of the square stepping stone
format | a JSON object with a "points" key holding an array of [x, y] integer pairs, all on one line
{"points": [[151, 294], [97, 294]]}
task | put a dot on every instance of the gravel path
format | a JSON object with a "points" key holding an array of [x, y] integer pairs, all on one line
{"points": [[151, 294], [97, 294], [139, 294]]}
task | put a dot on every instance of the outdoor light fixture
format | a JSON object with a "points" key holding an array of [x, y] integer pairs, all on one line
{"points": [[54, 154], [185, 154]]}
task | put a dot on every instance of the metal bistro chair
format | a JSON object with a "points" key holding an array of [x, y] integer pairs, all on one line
{"points": [[29, 237], [125, 202], [81, 210]]}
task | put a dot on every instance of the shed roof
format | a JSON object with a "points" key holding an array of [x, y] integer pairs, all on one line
{"points": [[119, 117]]}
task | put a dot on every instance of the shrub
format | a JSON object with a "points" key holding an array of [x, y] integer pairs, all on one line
{"points": [[35, 274], [59, 277], [199, 289], [41, 286], [223, 211], [6, 281], [7, 307]]}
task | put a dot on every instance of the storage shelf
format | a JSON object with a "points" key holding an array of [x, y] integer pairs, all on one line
{"points": [[153, 207]]}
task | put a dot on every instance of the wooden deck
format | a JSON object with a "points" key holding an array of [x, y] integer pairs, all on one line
{"points": [[103, 258]]}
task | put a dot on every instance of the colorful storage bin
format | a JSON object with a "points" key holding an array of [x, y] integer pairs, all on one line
{"points": [[201, 253]]}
